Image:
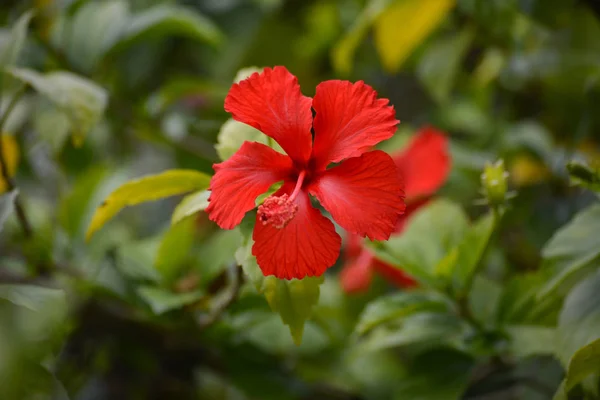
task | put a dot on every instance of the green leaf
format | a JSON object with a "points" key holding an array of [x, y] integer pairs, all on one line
{"points": [[190, 205], [400, 305], [174, 249], [162, 301], [431, 234], [148, 188], [573, 249], [81, 100], [244, 257], [265, 330], [245, 73], [233, 134], [136, 259], [91, 32], [75, 205], [404, 26], [418, 331], [584, 362], [10, 54], [579, 320], [34, 298], [217, 253], [531, 340], [168, 20], [293, 300], [7, 204], [343, 52], [585, 175], [440, 64], [470, 251], [436, 375]]}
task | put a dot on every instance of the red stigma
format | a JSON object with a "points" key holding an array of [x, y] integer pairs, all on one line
{"points": [[277, 211]]}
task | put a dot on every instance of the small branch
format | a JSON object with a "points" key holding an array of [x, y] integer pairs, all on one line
{"points": [[10, 183]]}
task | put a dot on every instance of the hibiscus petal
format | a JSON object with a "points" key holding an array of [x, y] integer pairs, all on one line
{"points": [[241, 179], [307, 246], [272, 103], [363, 194], [357, 274], [349, 121], [425, 163]]}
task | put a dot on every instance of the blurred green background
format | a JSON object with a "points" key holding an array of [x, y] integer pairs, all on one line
{"points": [[118, 89]]}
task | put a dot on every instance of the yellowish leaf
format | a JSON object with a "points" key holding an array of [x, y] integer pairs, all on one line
{"points": [[148, 188], [10, 151], [404, 25]]}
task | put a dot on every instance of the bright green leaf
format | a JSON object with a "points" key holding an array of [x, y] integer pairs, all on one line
{"points": [[190, 205], [400, 305], [148, 188], [81, 100], [584, 362], [162, 301], [430, 235], [573, 249], [245, 73], [7, 204], [168, 20], [293, 300], [404, 26], [440, 64], [233, 134]]}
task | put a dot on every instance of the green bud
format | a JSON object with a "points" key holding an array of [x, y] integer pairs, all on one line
{"points": [[494, 180]]}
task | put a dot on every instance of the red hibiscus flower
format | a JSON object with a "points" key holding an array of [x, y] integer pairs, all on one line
{"points": [[424, 166], [363, 194]]}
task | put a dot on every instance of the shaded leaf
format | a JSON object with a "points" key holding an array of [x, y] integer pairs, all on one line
{"points": [[343, 52], [400, 305], [174, 248], [168, 20], [531, 340], [34, 298], [148, 188], [233, 134], [579, 320], [82, 100], [293, 300], [7, 204], [440, 64], [585, 175], [404, 26], [162, 301], [573, 249], [436, 375], [10, 54]]}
